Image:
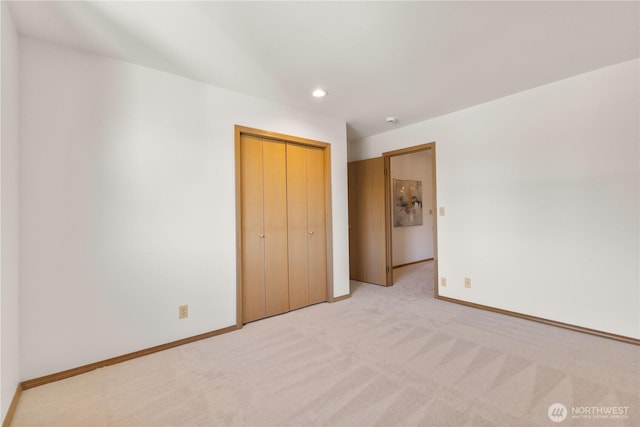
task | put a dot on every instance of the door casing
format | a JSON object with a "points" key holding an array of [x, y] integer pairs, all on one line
{"points": [[387, 183]]}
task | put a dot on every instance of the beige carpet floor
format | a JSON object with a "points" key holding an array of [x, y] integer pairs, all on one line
{"points": [[385, 357]]}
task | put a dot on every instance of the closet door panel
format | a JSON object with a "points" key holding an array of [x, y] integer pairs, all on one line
{"points": [[297, 213], [275, 228], [252, 199], [316, 236]]}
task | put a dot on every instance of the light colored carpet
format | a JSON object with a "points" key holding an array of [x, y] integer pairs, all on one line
{"points": [[386, 357]]}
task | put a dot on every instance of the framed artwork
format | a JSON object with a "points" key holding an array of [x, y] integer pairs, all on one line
{"points": [[407, 202]]}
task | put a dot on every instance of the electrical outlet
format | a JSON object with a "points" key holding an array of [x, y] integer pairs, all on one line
{"points": [[443, 282], [467, 282], [441, 210], [183, 311]]}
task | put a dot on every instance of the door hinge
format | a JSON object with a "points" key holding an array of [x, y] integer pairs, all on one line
{"points": [[387, 268], [385, 171]]}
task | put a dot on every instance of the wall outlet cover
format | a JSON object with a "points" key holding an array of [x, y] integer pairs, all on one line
{"points": [[183, 311]]}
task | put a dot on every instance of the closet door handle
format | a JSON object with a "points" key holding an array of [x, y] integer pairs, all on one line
{"points": [[262, 236], [311, 232]]}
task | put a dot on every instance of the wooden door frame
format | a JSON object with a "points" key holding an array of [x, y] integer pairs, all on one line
{"points": [[243, 130], [387, 190]]}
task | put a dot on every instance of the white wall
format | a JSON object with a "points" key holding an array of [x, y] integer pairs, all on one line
{"points": [[127, 204], [414, 243], [9, 341], [541, 191]]}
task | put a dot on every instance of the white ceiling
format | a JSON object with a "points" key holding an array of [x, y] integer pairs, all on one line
{"points": [[413, 60]]}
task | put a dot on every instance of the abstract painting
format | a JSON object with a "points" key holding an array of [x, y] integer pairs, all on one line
{"points": [[407, 202]]}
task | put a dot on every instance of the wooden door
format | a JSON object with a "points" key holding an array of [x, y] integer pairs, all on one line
{"points": [[307, 225], [264, 228], [316, 214], [367, 226], [276, 266]]}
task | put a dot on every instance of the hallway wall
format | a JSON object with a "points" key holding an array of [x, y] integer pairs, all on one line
{"points": [[414, 243]]}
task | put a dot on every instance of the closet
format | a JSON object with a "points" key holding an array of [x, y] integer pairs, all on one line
{"points": [[283, 225]]}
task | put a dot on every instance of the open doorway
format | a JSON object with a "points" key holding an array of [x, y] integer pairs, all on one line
{"points": [[410, 192]]}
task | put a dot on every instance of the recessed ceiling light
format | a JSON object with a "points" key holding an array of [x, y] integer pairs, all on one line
{"points": [[391, 120], [319, 93]]}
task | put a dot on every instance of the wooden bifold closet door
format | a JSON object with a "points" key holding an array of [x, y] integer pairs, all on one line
{"points": [[264, 228], [283, 226], [307, 239]]}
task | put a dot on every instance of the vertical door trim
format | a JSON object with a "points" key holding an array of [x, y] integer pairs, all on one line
{"points": [[388, 218], [243, 130], [238, 173], [434, 199]]}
